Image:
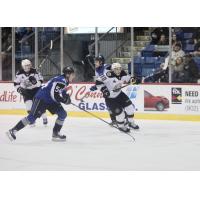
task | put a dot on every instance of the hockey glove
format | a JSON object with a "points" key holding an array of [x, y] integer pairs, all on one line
{"points": [[134, 80], [93, 88], [105, 92], [66, 99], [33, 80], [21, 90]]}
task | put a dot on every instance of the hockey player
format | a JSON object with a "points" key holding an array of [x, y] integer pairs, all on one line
{"points": [[49, 97], [27, 82], [110, 83], [100, 68]]}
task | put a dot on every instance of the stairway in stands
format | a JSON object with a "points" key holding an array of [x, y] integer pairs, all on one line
{"points": [[142, 40]]}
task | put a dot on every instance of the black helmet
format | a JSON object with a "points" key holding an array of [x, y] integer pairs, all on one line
{"points": [[68, 70], [100, 58]]}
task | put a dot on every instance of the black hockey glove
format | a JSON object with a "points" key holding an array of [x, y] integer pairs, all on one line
{"points": [[66, 99], [134, 80], [105, 92], [21, 90], [33, 80], [93, 88]]}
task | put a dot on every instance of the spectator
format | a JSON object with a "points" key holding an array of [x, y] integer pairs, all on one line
{"points": [[178, 71], [177, 52], [196, 49], [175, 40], [160, 75], [163, 40], [196, 35], [156, 34], [191, 70]]}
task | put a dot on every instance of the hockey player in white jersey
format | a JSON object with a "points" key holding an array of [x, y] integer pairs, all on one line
{"points": [[110, 83], [100, 68], [27, 82]]}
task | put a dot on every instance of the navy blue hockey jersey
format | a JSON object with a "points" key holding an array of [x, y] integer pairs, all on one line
{"points": [[54, 90]]}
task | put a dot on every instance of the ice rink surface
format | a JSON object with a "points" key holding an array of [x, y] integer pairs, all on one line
{"points": [[93, 145]]}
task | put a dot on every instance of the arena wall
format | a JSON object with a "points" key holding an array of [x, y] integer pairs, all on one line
{"points": [[152, 101]]}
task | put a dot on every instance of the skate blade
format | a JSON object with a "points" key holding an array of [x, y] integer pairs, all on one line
{"points": [[135, 129], [125, 131], [58, 140], [9, 136]]}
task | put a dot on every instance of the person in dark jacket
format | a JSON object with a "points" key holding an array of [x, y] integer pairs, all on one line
{"points": [[191, 71]]}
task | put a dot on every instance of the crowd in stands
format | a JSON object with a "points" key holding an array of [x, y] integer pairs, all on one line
{"points": [[184, 63]]}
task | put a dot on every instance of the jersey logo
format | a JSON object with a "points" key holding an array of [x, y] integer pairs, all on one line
{"points": [[108, 74]]}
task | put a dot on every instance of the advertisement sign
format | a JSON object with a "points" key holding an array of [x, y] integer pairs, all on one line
{"points": [[163, 99]]}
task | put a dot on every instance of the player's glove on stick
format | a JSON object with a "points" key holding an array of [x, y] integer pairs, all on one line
{"points": [[66, 99], [134, 80], [93, 88], [21, 90], [33, 80], [105, 92]]}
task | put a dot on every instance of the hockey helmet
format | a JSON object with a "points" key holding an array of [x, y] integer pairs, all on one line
{"points": [[100, 58], [26, 65], [116, 68], [68, 70]]}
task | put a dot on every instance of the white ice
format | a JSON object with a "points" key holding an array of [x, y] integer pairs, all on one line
{"points": [[93, 145]]}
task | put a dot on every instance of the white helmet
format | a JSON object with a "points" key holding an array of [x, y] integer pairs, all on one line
{"points": [[116, 65], [26, 65]]}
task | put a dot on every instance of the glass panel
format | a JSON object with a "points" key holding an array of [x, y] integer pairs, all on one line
{"points": [[49, 51], [76, 48], [6, 53], [79, 48], [24, 45]]}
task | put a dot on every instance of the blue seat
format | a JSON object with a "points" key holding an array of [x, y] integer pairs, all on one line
{"points": [[197, 61], [148, 51], [148, 60], [187, 35], [137, 59], [137, 66], [189, 47], [146, 71]]}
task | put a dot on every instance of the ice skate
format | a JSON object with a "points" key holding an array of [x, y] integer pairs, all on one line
{"points": [[58, 137], [113, 123], [124, 129], [133, 126], [11, 134]]}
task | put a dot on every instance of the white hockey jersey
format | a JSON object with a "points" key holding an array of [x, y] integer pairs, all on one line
{"points": [[112, 82], [22, 79]]}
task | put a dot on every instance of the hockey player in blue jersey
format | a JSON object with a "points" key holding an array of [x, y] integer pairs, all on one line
{"points": [[100, 68], [49, 97]]}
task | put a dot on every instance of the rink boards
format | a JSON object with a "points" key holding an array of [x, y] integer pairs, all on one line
{"points": [[152, 101]]}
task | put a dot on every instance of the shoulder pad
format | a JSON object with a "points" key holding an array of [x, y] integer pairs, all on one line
{"points": [[108, 74], [108, 67]]}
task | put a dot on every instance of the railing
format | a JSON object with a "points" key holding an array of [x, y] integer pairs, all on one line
{"points": [[109, 50]]}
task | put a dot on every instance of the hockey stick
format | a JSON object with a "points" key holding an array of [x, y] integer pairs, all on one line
{"points": [[46, 57], [131, 83], [101, 119], [115, 90]]}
